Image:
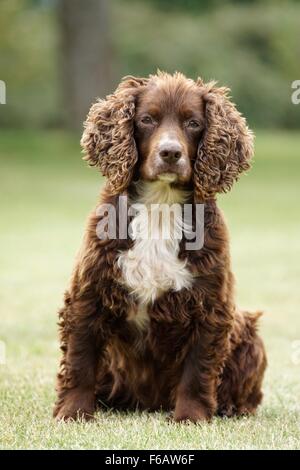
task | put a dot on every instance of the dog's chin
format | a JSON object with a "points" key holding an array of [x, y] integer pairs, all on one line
{"points": [[168, 177]]}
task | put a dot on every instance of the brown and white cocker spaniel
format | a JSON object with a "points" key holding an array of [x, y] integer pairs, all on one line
{"points": [[149, 321]]}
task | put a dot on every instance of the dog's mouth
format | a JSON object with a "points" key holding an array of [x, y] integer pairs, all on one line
{"points": [[153, 169]]}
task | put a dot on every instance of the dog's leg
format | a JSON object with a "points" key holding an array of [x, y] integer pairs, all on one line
{"points": [[196, 395], [240, 392], [76, 380]]}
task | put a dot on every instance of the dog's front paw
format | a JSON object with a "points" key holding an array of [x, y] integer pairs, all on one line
{"points": [[76, 404], [190, 411]]}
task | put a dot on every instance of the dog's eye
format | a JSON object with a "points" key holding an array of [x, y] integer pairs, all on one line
{"points": [[147, 120], [193, 124]]}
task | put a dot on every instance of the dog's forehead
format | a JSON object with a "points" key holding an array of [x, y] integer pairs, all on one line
{"points": [[173, 95]]}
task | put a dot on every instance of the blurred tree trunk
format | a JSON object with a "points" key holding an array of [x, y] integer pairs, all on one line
{"points": [[85, 55]]}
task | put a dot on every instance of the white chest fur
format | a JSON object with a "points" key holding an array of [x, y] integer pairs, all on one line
{"points": [[151, 266]]}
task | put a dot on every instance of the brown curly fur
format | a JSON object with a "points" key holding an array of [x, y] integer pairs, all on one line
{"points": [[200, 355]]}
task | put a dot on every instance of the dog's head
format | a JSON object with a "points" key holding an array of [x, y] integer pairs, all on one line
{"points": [[171, 128]]}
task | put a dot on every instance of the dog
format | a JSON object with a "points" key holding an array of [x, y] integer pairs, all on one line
{"points": [[148, 323]]}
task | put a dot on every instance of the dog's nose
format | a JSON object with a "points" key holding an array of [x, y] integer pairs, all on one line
{"points": [[170, 152]]}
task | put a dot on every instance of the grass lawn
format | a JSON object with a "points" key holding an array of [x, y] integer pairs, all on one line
{"points": [[46, 193]]}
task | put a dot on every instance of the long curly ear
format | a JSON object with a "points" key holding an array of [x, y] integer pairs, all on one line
{"points": [[108, 140], [226, 147]]}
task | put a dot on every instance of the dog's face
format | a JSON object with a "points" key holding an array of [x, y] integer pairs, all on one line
{"points": [[168, 125]]}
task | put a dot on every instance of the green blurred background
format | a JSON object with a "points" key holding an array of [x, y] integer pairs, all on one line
{"points": [[57, 55]]}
